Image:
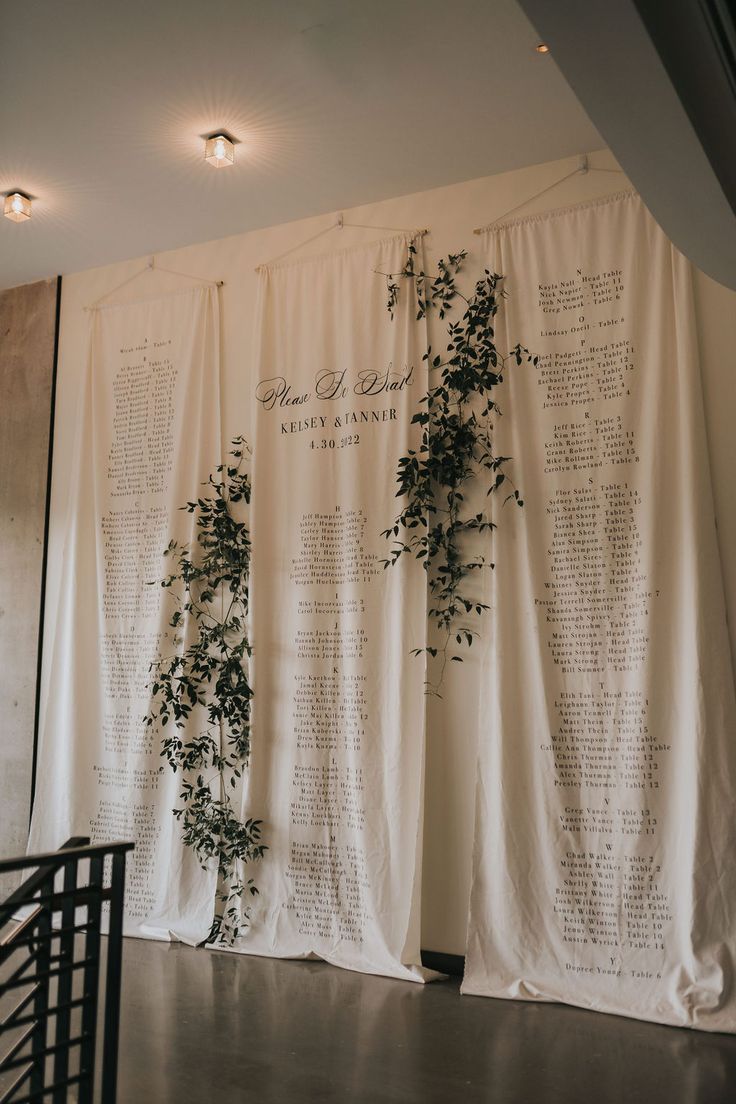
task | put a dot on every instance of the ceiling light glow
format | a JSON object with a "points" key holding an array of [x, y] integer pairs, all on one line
{"points": [[17, 207], [219, 151], [542, 48]]}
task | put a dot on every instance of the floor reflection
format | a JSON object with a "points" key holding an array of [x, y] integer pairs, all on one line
{"points": [[202, 1026]]}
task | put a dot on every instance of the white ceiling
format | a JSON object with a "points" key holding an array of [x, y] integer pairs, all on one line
{"points": [[606, 54], [103, 104]]}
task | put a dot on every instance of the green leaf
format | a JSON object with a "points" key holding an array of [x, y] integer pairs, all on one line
{"points": [[210, 586], [456, 460]]}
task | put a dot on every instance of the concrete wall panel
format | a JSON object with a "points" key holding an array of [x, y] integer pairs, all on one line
{"points": [[27, 328]]}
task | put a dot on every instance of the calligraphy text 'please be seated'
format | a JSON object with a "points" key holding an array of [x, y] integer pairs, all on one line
{"points": [[332, 385]]}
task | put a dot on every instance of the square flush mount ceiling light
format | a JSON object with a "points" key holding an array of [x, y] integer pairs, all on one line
{"points": [[219, 151], [17, 207]]}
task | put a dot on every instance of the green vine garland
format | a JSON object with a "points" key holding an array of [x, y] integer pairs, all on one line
{"points": [[456, 456], [205, 680]]}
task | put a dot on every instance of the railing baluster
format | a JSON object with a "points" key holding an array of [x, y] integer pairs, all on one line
{"points": [[63, 1017], [41, 999], [113, 981], [91, 982], [30, 961]]}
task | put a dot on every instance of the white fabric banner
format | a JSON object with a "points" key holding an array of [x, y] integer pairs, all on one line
{"points": [[149, 435], [605, 835], [338, 713]]}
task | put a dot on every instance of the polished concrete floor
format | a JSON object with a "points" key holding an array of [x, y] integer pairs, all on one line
{"points": [[199, 1026]]}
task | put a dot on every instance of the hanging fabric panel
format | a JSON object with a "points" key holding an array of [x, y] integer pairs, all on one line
{"points": [[605, 835], [338, 749], [149, 435]]}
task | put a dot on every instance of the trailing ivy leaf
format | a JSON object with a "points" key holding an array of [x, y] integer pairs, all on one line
{"points": [[204, 686], [456, 451]]}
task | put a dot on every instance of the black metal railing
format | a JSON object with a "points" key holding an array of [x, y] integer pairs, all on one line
{"points": [[51, 975]]}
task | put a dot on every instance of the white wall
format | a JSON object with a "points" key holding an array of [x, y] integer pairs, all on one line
{"points": [[450, 213]]}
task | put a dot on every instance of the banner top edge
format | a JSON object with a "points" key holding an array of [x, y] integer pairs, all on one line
{"points": [[151, 298], [273, 266], [557, 212]]}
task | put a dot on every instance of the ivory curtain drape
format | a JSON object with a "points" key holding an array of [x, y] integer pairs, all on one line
{"points": [[603, 860]]}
